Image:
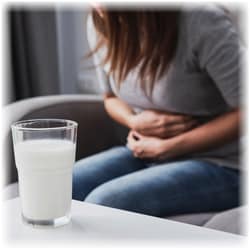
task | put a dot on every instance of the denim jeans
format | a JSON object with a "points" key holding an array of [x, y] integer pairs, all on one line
{"points": [[117, 179]]}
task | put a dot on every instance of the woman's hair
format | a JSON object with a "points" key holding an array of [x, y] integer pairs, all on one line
{"points": [[145, 39]]}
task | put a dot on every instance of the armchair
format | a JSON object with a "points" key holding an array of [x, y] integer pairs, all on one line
{"points": [[96, 132]]}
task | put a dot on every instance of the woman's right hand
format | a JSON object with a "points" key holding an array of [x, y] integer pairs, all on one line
{"points": [[161, 124]]}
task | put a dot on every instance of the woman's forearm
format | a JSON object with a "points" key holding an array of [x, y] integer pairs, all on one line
{"points": [[213, 134], [118, 110]]}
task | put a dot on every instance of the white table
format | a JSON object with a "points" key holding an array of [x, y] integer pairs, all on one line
{"points": [[93, 223]]}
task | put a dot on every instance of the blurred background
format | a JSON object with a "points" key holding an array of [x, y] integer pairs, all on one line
{"points": [[46, 48]]}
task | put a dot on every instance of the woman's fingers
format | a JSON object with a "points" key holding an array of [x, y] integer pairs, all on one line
{"points": [[177, 119], [165, 127], [137, 136], [170, 130], [134, 136], [150, 122], [131, 141], [134, 144], [183, 127]]}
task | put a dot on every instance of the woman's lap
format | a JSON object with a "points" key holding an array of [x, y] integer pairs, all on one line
{"points": [[169, 188], [102, 167]]}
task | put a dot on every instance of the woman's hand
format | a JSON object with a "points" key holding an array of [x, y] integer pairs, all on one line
{"points": [[161, 124], [150, 147]]}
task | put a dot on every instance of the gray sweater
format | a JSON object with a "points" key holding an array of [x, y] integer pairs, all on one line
{"points": [[203, 80]]}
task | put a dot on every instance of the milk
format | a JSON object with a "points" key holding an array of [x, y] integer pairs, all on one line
{"points": [[45, 177]]}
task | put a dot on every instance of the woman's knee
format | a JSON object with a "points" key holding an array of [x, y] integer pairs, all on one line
{"points": [[107, 194], [92, 171]]}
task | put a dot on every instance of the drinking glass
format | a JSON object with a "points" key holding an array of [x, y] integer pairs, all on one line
{"points": [[44, 152]]}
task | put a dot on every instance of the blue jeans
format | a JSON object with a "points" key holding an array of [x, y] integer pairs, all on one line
{"points": [[116, 178]]}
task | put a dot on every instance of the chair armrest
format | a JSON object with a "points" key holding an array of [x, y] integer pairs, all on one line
{"points": [[96, 130], [17, 110]]}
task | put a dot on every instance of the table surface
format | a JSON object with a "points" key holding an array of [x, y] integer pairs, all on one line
{"points": [[91, 222]]}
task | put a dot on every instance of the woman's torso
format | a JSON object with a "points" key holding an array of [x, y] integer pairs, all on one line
{"points": [[186, 88]]}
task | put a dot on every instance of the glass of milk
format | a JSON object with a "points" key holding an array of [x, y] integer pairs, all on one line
{"points": [[44, 154]]}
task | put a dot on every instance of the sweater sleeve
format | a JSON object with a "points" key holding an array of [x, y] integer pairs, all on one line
{"points": [[102, 77], [220, 52]]}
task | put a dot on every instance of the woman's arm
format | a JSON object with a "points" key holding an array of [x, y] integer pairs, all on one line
{"points": [[215, 133], [149, 122], [118, 110]]}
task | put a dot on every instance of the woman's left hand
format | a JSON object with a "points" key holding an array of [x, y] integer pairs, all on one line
{"points": [[145, 146]]}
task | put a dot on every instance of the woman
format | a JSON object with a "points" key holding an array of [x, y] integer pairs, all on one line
{"points": [[171, 77]]}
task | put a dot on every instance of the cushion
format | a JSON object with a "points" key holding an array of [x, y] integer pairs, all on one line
{"points": [[231, 221], [198, 219]]}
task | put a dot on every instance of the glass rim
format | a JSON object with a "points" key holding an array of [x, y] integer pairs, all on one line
{"points": [[71, 124]]}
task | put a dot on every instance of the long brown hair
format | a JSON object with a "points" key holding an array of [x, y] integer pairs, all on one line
{"points": [[137, 38]]}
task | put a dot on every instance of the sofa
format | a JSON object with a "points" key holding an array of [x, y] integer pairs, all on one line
{"points": [[96, 132]]}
